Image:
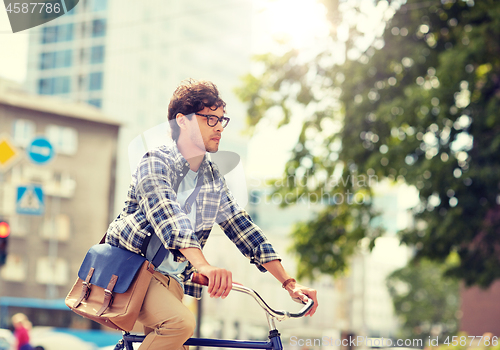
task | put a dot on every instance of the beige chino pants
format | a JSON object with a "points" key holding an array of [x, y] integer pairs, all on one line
{"points": [[167, 322]]}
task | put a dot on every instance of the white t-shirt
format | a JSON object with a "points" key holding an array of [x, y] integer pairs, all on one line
{"points": [[186, 187]]}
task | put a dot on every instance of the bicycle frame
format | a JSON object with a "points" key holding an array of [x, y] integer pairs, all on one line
{"points": [[273, 343]]}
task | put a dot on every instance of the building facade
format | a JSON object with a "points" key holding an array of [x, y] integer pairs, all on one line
{"points": [[51, 233], [479, 310]]}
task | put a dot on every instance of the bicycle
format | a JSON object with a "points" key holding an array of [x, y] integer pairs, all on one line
{"points": [[274, 342]]}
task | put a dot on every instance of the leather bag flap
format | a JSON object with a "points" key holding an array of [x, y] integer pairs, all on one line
{"points": [[107, 261]]}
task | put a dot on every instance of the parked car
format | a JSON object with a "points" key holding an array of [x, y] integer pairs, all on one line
{"points": [[7, 340], [50, 340]]}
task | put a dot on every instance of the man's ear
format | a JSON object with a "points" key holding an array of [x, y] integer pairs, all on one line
{"points": [[181, 120]]}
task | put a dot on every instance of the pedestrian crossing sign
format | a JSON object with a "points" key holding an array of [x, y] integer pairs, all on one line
{"points": [[30, 200]]}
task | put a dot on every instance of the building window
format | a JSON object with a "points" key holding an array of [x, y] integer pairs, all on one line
{"points": [[57, 227], [95, 81], [99, 5], [65, 32], [64, 139], [98, 27], [15, 269], [97, 54], [45, 86], [54, 86], [63, 58], [61, 85], [49, 35], [24, 132], [61, 185], [97, 102], [58, 59], [47, 60], [56, 34], [20, 227], [52, 271]]}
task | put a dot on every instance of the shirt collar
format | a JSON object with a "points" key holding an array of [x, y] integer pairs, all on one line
{"points": [[181, 162]]}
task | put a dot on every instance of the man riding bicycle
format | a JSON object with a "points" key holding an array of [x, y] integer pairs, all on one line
{"points": [[175, 198]]}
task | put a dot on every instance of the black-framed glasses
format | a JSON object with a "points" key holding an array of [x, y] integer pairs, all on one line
{"points": [[212, 120]]}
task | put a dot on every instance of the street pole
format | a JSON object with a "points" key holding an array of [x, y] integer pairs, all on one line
{"points": [[198, 320], [53, 246]]}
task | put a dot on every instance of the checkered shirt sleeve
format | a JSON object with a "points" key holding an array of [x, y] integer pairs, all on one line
{"points": [[158, 200], [245, 234]]}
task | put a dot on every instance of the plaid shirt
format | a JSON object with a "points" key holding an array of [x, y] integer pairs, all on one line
{"points": [[152, 208]]}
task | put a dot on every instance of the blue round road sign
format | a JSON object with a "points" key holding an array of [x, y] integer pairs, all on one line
{"points": [[40, 151]]}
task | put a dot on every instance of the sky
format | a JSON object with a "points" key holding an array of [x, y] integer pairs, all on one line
{"points": [[13, 51], [300, 23]]}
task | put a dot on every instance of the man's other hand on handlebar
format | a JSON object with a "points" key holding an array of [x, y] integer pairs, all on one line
{"points": [[220, 281], [302, 293]]}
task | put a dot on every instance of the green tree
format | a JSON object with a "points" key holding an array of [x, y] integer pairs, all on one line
{"points": [[425, 303], [420, 105]]}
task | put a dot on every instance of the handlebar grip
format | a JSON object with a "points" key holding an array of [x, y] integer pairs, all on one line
{"points": [[199, 279], [304, 310]]}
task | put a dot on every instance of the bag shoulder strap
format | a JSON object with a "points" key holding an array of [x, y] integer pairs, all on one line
{"points": [[160, 249], [103, 239]]}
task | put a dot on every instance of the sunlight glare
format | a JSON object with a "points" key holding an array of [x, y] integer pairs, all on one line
{"points": [[296, 22]]}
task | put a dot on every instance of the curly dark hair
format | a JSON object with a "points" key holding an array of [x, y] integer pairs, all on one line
{"points": [[192, 96]]}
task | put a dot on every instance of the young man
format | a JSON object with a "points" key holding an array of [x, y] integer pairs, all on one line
{"points": [[175, 198]]}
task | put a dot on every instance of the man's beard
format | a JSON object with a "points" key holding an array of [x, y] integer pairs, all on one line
{"points": [[198, 142], [213, 149]]}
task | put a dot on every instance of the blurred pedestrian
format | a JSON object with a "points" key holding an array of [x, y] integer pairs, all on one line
{"points": [[22, 327]]}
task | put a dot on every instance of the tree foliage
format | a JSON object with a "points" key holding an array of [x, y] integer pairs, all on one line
{"points": [[425, 303], [419, 106]]}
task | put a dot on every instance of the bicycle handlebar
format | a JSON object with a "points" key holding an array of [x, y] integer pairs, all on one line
{"points": [[278, 314]]}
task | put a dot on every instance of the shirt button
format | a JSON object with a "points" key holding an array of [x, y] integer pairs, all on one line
{"points": [[149, 233], [187, 164]]}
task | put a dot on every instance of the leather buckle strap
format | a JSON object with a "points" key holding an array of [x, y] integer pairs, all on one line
{"points": [[86, 287], [108, 295]]}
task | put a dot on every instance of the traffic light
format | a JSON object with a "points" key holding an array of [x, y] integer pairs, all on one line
{"points": [[4, 236]]}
